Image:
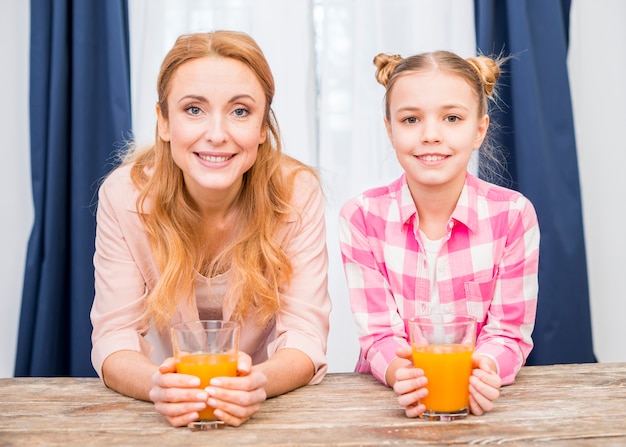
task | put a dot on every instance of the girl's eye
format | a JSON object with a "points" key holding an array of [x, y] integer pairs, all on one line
{"points": [[410, 120], [240, 112], [453, 118]]}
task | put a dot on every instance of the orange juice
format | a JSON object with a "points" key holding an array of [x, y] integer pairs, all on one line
{"points": [[205, 367], [448, 369]]}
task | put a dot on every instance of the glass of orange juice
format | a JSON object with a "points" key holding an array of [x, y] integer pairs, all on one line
{"points": [[442, 346], [206, 349]]}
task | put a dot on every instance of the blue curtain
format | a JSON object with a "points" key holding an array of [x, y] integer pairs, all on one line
{"points": [[79, 112], [537, 133]]}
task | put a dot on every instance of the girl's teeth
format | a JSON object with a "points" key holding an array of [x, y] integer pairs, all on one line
{"points": [[433, 157]]}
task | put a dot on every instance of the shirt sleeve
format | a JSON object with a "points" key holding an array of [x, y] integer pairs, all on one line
{"points": [[380, 327], [506, 335], [303, 319], [120, 290]]}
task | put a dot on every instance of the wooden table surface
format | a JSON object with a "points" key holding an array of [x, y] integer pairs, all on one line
{"points": [[560, 405]]}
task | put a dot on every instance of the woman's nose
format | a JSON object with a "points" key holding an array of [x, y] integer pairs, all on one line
{"points": [[215, 129]]}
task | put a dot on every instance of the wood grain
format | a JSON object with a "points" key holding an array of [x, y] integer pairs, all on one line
{"points": [[559, 405]]}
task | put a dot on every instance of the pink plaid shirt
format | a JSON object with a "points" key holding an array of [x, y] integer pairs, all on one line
{"points": [[487, 268]]}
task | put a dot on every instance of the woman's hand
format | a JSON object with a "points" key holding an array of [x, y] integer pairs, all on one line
{"points": [[235, 399], [485, 385], [409, 384]]}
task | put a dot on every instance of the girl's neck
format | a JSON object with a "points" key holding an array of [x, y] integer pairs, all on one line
{"points": [[434, 207]]}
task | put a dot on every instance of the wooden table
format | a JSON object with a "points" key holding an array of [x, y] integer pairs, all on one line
{"points": [[561, 405]]}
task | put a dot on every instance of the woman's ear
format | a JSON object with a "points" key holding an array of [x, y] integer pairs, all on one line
{"points": [[263, 135], [163, 125]]}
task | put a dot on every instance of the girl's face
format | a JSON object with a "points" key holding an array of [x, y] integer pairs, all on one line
{"points": [[215, 125], [434, 127]]}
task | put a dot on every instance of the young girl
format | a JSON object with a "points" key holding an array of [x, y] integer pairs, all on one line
{"points": [[213, 221], [438, 239]]}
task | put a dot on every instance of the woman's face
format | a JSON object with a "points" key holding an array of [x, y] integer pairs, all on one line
{"points": [[434, 127], [215, 125]]}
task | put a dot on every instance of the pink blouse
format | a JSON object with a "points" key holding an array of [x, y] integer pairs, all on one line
{"points": [[125, 273]]}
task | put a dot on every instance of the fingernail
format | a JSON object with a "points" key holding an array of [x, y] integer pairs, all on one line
{"points": [[194, 382], [210, 391], [216, 382], [203, 396]]}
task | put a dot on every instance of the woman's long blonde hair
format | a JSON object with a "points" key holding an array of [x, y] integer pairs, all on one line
{"points": [[257, 261]]}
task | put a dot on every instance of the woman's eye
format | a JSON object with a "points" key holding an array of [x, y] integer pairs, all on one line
{"points": [[241, 112], [453, 118], [410, 120], [193, 110]]}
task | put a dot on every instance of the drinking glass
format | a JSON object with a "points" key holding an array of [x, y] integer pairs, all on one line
{"points": [[442, 346], [206, 349]]}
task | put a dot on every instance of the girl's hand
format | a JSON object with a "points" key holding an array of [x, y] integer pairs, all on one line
{"points": [[485, 385], [235, 399], [409, 384]]}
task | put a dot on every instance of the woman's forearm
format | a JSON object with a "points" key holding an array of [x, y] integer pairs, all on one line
{"points": [[286, 370], [129, 373]]}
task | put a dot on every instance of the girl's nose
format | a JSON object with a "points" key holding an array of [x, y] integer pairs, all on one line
{"points": [[431, 131]]}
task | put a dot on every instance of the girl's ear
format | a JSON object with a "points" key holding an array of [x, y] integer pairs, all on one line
{"points": [[481, 131], [389, 132]]}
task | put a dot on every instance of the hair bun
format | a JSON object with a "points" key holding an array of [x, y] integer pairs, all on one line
{"points": [[385, 65], [488, 70]]}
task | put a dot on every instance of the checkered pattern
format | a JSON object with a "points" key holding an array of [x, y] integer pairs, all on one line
{"points": [[487, 268]]}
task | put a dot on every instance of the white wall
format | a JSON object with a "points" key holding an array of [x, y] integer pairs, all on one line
{"points": [[15, 190], [597, 64], [597, 67]]}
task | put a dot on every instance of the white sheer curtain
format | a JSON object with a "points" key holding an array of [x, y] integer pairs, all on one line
{"points": [[328, 104]]}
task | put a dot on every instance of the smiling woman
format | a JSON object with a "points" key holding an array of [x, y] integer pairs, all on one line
{"points": [[212, 221]]}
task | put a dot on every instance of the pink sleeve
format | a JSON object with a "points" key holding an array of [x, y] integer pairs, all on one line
{"points": [[303, 320], [506, 335], [381, 328], [120, 289]]}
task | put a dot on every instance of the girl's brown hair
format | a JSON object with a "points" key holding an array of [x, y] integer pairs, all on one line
{"points": [[256, 258], [481, 73]]}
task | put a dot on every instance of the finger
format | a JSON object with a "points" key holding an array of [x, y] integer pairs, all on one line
{"points": [[408, 372], [181, 409], [253, 381], [475, 408], [235, 409], [404, 352], [244, 364], [182, 420], [177, 395], [413, 398], [229, 418], [175, 380], [415, 410], [408, 385], [483, 397], [228, 400], [168, 366], [490, 378], [484, 389]]}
